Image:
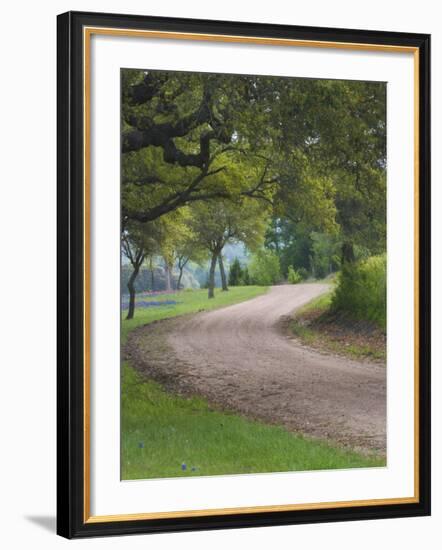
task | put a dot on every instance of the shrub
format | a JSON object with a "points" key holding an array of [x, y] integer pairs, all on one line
{"points": [[264, 268], [361, 290], [293, 276]]}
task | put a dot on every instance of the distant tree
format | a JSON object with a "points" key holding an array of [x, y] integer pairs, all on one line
{"points": [[218, 223], [182, 261], [291, 241], [265, 268], [179, 244], [325, 254], [235, 273], [137, 242], [245, 280], [222, 273], [189, 250]]}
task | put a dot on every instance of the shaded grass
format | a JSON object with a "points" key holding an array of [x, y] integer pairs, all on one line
{"points": [[162, 434], [317, 325]]}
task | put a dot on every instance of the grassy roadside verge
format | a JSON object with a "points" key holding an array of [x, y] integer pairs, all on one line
{"points": [[163, 435], [169, 436], [191, 301], [318, 327]]}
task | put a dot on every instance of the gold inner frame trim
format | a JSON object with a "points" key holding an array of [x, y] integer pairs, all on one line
{"points": [[416, 273], [87, 34]]}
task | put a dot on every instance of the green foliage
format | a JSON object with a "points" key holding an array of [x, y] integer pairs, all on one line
{"points": [[190, 137], [265, 268], [315, 253], [176, 237], [246, 276], [361, 290], [303, 273], [209, 159], [235, 273], [290, 241], [325, 258], [314, 148], [293, 276], [217, 223]]}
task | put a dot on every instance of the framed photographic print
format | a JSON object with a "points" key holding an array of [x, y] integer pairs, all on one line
{"points": [[243, 274]]}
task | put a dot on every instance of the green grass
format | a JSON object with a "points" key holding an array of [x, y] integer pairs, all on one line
{"points": [[189, 301], [320, 304], [161, 432], [315, 337]]}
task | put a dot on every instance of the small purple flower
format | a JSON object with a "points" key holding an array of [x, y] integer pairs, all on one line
{"points": [[153, 303], [141, 444], [184, 466]]}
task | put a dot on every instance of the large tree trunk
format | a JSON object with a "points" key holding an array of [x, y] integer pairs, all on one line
{"points": [[223, 273], [212, 275], [348, 254], [131, 287]]}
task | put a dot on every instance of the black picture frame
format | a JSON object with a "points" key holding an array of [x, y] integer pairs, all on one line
{"points": [[71, 520]]}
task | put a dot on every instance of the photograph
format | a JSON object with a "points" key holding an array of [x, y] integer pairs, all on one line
{"points": [[253, 274], [229, 216], [243, 270]]}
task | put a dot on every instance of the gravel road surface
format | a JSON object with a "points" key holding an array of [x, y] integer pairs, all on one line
{"points": [[240, 358]]}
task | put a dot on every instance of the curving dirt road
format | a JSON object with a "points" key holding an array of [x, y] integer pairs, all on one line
{"points": [[239, 358]]}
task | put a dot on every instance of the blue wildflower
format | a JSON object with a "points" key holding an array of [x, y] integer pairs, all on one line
{"points": [[153, 303], [184, 466], [141, 444]]}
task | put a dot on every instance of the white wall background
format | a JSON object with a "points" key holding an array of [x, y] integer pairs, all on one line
{"points": [[27, 308]]}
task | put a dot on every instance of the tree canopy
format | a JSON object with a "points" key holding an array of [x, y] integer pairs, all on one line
{"points": [[314, 149], [303, 160]]}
